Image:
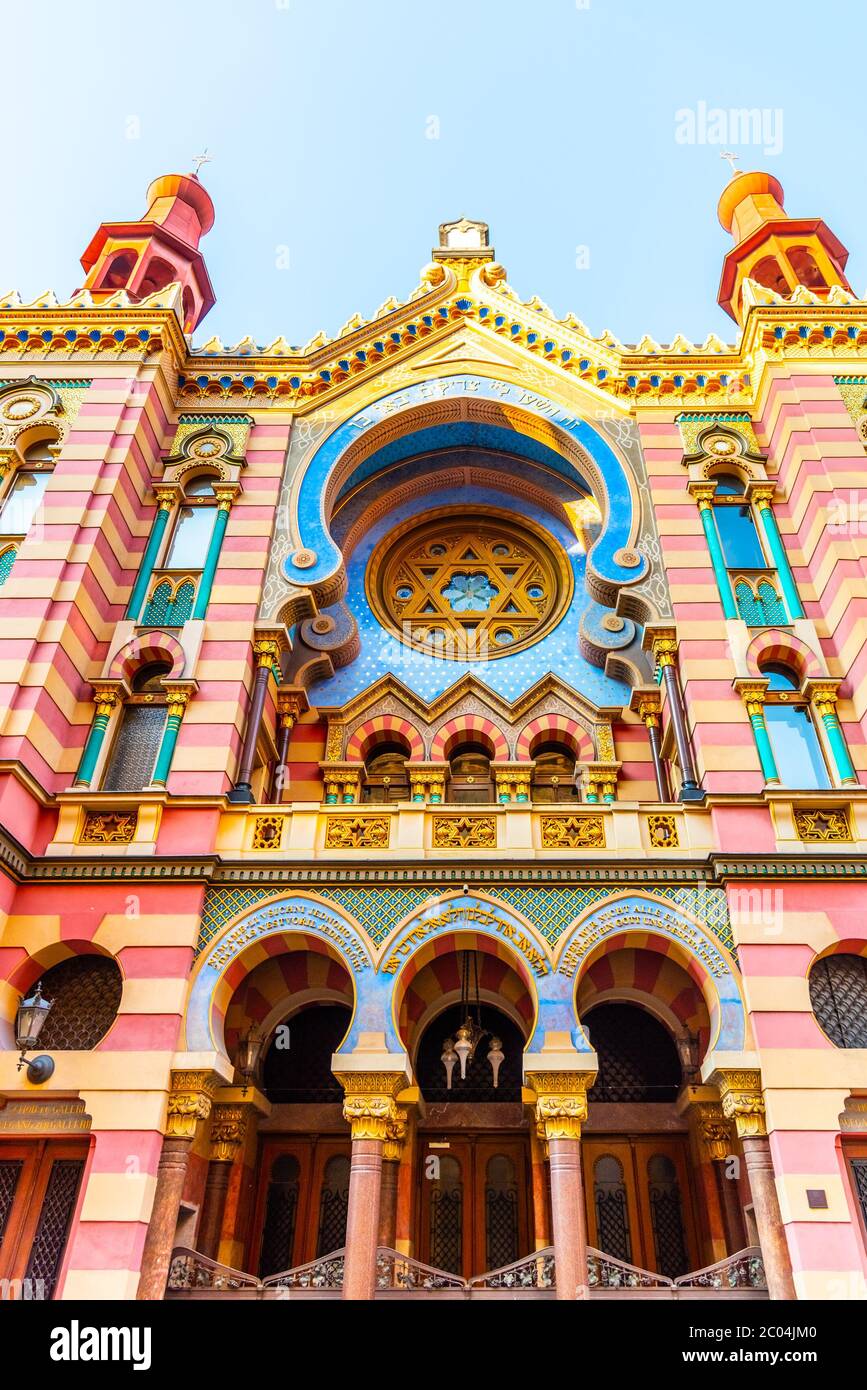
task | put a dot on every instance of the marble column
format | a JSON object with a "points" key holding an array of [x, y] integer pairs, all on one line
{"points": [[228, 1130], [369, 1106], [266, 651], [561, 1108], [647, 705], [189, 1101], [392, 1152], [662, 642], [743, 1104]]}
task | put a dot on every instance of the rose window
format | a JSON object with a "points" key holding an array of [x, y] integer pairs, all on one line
{"points": [[469, 588]]}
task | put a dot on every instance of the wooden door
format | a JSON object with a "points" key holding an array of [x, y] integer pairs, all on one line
{"points": [[301, 1203], [39, 1183], [473, 1203], [639, 1202]]}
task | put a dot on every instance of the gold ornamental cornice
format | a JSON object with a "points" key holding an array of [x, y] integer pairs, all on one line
{"points": [[679, 376], [743, 1103], [369, 1103], [189, 1101]]}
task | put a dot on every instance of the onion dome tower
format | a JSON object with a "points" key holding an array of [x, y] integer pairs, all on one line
{"points": [[144, 257], [778, 251]]}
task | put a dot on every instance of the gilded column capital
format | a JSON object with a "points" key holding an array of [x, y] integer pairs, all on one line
{"points": [[266, 651], [228, 1131], [703, 493], [661, 641], [291, 704], [713, 1129], [166, 496], [178, 695], [190, 1100], [647, 705], [225, 496], [561, 1102], [108, 694], [753, 692], [742, 1101], [823, 695], [369, 1103], [762, 494], [395, 1136]]}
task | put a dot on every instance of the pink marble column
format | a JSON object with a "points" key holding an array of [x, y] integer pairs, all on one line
{"points": [[568, 1217], [388, 1203], [362, 1221], [766, 1209]]}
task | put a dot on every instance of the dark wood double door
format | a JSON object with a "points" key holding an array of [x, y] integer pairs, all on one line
{"points": [[302, 1202], [639, 1202], [473, 1202], [39, 1185]]}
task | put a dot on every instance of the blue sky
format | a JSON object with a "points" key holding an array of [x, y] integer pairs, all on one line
{"points": [[555, 121]]}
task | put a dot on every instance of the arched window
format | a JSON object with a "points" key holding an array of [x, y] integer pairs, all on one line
{"points": [[281, 1215], [297, 1067], [333, 1206], [446, 1216], [769, 272], [554, 774], [736, 525], [119, 270], [638, 1058], [797, 751], [189, 307], [85, 996], [194, 525], [501, 1212], [385, 774], [134, 752], [158, 274], [612, 1208], [470, 774], [24, 495], [838, 995], [666, 1215], [807, 272]]}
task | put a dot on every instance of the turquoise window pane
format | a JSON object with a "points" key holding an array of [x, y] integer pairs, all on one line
{"points": [[7, 560], [22, 502], [739, 538], [797, 751], [764, 608], [169, 607], [192, 535]]}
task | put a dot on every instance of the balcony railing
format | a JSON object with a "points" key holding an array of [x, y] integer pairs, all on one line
{"points": [[740, 1276]]}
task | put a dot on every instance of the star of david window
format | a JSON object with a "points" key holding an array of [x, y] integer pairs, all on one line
{"points": [[469, 588]]}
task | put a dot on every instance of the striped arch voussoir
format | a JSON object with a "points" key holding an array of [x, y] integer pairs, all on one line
{"points": [[555, 727], [783, 647], [385, 728], [469, 728], [141, 651]]}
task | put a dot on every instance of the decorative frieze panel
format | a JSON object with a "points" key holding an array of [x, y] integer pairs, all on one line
{"points": [[821, 824], [662, 831], [108, 827], [267, 832], [572, 832], [464, 832], [357, 832]]}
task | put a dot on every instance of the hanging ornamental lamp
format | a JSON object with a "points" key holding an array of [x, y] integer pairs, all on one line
{"points": [[461, 1049]]}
